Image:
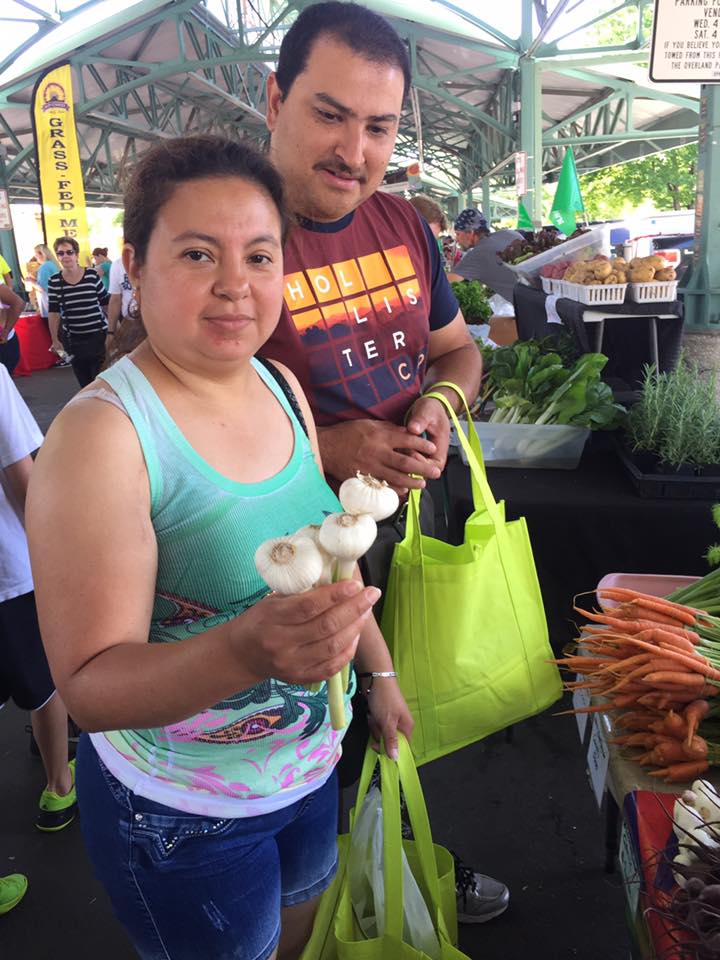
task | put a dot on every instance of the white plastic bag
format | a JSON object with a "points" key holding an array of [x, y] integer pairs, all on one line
{"points": [[500, 306], [367, 886]]}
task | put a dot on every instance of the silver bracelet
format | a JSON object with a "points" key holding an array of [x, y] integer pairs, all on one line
{"points": [[371, 675]]}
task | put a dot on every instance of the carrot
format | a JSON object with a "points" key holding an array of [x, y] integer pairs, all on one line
{"points": [[629, 663], [625, 593], [693, 663], [697, 750], [657, 615], [619, 703], [693, 713], [659, 635], [636, 721], [675, 725], [682, 772], [680, 678], [634, 626], [669, 751], [616, 622]]}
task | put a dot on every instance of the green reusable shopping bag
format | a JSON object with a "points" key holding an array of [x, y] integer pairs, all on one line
{"points": [[336, 934], [432, 867], [465, 624]]}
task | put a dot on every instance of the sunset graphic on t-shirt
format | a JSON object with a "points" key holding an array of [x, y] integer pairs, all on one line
{"points": [[354, 318]]}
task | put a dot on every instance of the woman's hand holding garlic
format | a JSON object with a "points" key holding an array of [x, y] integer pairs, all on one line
{"points": [[305, 638], [315, 555]]}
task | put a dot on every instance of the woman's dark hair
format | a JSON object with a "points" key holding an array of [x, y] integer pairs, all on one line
{"points": [[70, 241], [172, 162], [100, 252], [365, 32]]}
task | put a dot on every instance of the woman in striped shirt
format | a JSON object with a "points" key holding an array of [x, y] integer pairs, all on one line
{"points": [[77, 296]]}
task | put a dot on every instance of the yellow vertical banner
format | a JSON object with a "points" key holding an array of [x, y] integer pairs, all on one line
{"points": [[62, 194]]}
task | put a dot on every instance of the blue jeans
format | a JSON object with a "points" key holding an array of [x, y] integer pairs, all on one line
{"points": [[187, 887]]}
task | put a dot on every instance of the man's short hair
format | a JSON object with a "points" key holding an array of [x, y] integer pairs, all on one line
{"points": [[472, 221], [363, 31]]}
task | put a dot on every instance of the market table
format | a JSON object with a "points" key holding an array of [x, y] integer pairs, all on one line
{"points": [[630, 334], [34, 336], [588, 522]]}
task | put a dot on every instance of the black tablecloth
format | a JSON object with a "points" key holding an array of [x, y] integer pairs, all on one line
{"points": [[626, 341], [588, 522]]}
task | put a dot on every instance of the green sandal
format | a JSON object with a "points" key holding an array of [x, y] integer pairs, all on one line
{"points": [[12, 890], [57, 812]]}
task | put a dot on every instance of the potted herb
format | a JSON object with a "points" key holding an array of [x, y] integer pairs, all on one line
{"points": [[473, 298], [671, 446]]}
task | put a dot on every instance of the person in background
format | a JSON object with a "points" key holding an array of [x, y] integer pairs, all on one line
{"points": [[432, 212], [120, 290], [369, 320], [102, 263], [77, 296], [480, 260], [207, 787], [11, 306], [24, 673], [39, 283], [5, 272]]}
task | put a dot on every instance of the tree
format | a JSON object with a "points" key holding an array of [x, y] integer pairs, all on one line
{"points": [[667, 180]]}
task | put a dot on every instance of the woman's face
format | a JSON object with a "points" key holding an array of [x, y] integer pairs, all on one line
{"points": [[210, 289], [67, 258], [40, 256]]}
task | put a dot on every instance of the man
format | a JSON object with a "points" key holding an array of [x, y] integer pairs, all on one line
{"points": [[369, 319], [481, 261], [120, 290]]}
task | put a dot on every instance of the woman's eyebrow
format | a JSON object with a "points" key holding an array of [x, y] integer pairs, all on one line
{"points": [[207, 238]]}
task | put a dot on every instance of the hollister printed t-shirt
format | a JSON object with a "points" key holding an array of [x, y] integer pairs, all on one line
{"points": [[361, 297]]}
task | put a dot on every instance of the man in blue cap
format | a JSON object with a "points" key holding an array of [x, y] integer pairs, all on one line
{"points": [[481, 261]]}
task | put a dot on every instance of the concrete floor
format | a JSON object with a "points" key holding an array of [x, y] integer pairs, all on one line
{"points": [[522, 811]]}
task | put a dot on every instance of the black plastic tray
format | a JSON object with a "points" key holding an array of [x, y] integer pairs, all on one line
{"points": [[669, 486]]}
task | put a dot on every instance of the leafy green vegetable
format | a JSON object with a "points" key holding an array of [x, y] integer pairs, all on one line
{"points": [[529, 385], [473, 299]]}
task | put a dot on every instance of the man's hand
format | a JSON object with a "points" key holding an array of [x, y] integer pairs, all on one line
{"points": [[384, 450], [429, 416]]}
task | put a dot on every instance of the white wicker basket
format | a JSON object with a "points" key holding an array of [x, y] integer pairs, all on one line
{"points": [[594, 294], [653, 291], [550, 285]]}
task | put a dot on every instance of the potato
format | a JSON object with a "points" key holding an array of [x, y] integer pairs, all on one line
{"points": [[618, 262], [602, 269], [610, 278], [667, 273], [642, 275], [622, 276], [660, 263]]}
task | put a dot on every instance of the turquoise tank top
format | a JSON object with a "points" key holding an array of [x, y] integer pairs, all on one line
{"points": [[261, 748]]}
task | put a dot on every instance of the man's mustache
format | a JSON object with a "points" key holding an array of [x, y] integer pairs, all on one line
{"points": [[340, 169]]}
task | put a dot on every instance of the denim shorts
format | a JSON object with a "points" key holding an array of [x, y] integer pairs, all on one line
{"points": [[187, 887]]}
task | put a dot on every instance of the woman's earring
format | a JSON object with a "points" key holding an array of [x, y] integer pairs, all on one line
{"points": [[134, 305]]}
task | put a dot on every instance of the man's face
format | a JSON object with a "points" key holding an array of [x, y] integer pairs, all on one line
{"points": [[466, 239], [334, 133]]}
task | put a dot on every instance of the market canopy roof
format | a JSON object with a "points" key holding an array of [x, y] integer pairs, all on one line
{"points": [[160, 68]]}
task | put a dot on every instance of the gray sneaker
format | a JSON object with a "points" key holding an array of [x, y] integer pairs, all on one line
{"points": [[479, 898]]}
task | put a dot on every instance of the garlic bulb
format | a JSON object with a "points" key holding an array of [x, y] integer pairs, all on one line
{"points": [[347, 536], [364, 494], [312, 532], [708, 801], [289, 564]]}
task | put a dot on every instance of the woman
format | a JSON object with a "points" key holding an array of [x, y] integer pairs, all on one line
{"points": [[39, 283], [77, 297], [102, 264], [11, 306], [209, 801]]}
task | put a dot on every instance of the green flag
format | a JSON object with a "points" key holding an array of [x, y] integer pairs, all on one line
{"points": [[524, 221], [567, 196]]}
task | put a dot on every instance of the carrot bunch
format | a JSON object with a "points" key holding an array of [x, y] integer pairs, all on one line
{"points": [[643, 656]]}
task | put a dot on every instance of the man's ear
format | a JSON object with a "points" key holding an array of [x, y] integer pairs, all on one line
{"points": [[274, 99]]}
